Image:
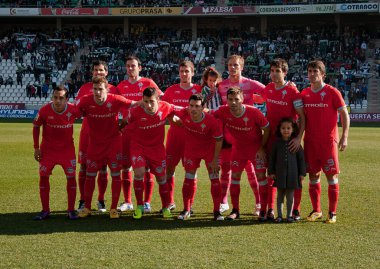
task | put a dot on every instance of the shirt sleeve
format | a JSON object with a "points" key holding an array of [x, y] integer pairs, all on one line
{"points": [[217, 130]]}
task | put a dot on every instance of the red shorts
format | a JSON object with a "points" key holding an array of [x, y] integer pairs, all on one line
{"points": [[102, 154], [126, 148], [83, 143], [239, 160], [192, 160], [153, 157], [322, 156], [175, 145], [66, 159]]}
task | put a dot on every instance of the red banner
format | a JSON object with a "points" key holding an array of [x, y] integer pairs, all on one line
{"points": [[219, 10], [12, 106], [365, 117], [74, 11]]}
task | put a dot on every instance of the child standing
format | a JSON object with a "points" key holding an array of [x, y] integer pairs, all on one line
{"points": [[286, 168], [210, 80]]}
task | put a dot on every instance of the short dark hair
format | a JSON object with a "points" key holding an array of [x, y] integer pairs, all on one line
{"points": [[133, 58], [61, 88], [280, 63], [318, 64], [149, 92], [234, 91], [99, 62], [197, 97], [294, 126]]}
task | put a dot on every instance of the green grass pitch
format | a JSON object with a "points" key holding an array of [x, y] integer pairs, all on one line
{"points": [[98, 242]]}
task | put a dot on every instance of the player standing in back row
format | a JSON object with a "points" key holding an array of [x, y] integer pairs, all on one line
{"points": [[322, 103]]}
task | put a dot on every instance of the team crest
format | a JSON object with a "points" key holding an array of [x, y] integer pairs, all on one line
{"points": [[284, 92], [245, 119], [194, 91], [109, 105], [203, 126], [69, 116], [235, 163], [160, 115], [140, 84], [323, 94]]}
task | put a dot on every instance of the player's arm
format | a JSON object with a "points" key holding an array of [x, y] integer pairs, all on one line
{"points": [[175, 116], [261, 152], [38, 121], [345, 119], [295, 144], [214, 166]]}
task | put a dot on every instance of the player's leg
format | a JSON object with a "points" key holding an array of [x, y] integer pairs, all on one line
{"points": [[138, 163], [237, 167], [331, 169], [114, 158], [215, 190], [225, 178], [297, 203], [174, 153], [82, 160], [102, 187], [126, 172], [89, 186], [252, 179], [69, 167], [333, 194], [148, 190], [46, 166], [313, 164]]}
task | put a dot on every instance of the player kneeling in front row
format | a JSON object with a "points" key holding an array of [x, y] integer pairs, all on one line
{"points": [[147, 147], [204, 138], [57, 148]]}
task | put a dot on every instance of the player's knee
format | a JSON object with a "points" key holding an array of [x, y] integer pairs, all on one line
{"points": [[190, 175], [333, 181], [262, 181], [236, 175], [213, 176], [139, 173]]}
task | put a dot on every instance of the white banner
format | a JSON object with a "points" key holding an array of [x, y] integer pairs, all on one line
{"points": [[362, 7], [324, 8], [4, 11], [24, 12], [285, 9]]}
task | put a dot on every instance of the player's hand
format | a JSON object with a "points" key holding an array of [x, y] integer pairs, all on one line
{"points": [[176, 121], [295, 144], [342, 143], [292, 84], [37, 155], [214, 167], [261, 154], [122, 124]]}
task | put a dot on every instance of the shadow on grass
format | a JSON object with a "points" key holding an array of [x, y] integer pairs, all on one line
{"points": [[23, 223]]}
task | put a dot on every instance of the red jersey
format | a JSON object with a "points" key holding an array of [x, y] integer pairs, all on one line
{"points": [[246, 129], [149, 128], [86, 89], [321, 111], [200, 136], [178, 96], [281, 103], [248, 86], [57, 128], [102, 119], [134, 91]]}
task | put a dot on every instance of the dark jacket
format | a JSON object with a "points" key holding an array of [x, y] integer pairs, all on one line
{"points": [[286, 166]]}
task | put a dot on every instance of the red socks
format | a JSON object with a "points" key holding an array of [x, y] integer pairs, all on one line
{"points": [[138, 186], [116, 188], [71, 188], [102, 184], [315, 194], [89, 187], [188, 192], [149, 185], [235, 192], [170, 182], [333, 193], [297, 199], [216, 193], [126, 180], [44, 192], [81, 182]]}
